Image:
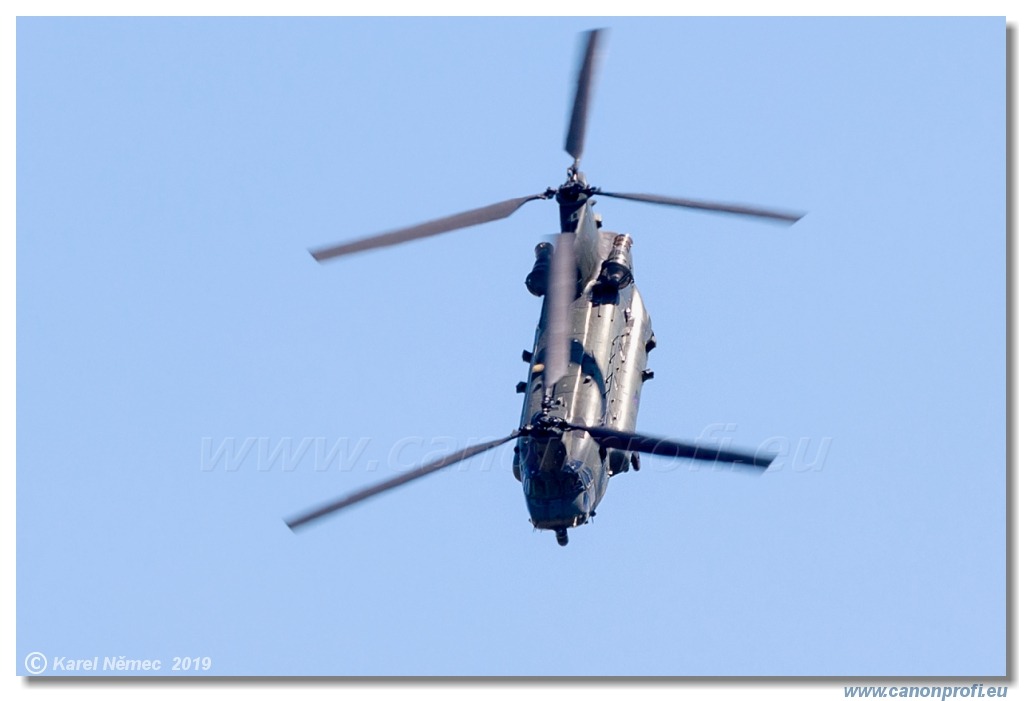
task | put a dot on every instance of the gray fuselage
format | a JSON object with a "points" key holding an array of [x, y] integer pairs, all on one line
{"points": [[565, 475]]}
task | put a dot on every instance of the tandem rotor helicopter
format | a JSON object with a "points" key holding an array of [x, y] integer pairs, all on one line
{"points": [[589, 359]]}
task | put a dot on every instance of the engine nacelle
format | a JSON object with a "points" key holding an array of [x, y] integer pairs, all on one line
{"points": [[617, 269], [537, 280]]}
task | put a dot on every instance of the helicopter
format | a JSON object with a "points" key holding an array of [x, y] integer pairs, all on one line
{"points": [[589, 359]]}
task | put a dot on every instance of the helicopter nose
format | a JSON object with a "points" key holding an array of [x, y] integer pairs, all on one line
{"points": [[560, 498], [560, 513]]}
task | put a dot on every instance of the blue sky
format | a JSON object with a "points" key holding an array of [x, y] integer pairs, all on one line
{"points": [[173, 172]]}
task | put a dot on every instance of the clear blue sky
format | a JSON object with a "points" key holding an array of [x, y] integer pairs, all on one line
{"points": [[173, 172]]}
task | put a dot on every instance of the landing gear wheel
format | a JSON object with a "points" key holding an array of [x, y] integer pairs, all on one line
{"points": [[562, 536]]}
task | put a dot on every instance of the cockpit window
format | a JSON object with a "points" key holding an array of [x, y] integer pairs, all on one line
{"points": [[548, 455], [564, 483]]}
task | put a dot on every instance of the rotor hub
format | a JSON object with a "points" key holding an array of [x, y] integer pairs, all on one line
{"points": [[574, 189], [545, 425]]}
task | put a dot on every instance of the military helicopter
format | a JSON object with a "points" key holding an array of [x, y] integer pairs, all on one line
{"points": [[589, 359]]}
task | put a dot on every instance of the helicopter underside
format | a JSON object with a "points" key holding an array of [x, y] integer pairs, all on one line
{"points": [[565, 473], [589, 361]]}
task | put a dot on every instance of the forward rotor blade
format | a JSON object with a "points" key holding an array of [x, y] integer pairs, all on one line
{"points": [[620, 440], [578, 120], [561, 291], [787, 217], [482, 215], [401, 479]]}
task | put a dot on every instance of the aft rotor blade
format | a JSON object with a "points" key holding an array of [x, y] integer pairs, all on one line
{"points": [[578, 120], [401, 479], [744, 210], [621, 440], [491, 212], [561, 291]]}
